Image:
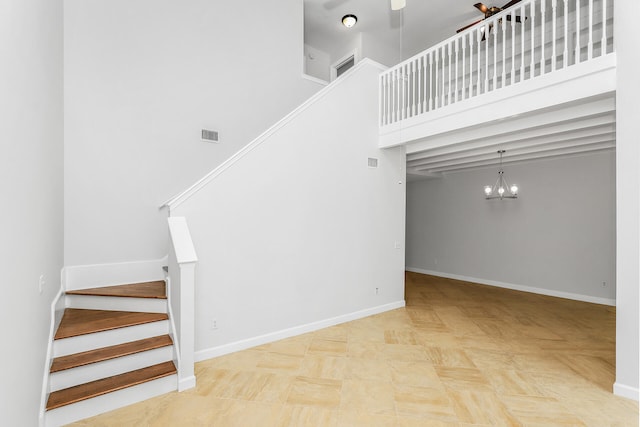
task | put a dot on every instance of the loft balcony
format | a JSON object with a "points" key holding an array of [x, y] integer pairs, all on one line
{"points": [[528, 79]]}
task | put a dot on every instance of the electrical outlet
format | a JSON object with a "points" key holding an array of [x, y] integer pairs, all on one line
{"points": [[377, 291], [41, 283], [214, 324], [604, 284]]}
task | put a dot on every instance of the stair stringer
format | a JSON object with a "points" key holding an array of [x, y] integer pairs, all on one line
{"points": [[57, 308]]}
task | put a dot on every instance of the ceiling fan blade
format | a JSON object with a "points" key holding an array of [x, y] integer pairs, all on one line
{"points": [[511, 3], [398, 4], [484, 9], [469, 26]]}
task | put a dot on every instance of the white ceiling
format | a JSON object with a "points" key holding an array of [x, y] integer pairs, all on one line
{"points": [[422, 23]]}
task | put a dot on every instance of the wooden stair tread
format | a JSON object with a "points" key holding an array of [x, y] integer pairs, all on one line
{"points": [[155, 289], [107, 353], [76, 321], [103, 386]]}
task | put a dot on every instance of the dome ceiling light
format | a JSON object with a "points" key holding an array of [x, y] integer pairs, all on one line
{"points": [[349, 20]]}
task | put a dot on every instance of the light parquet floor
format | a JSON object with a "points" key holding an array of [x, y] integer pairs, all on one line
{"points": [[459, 354]]}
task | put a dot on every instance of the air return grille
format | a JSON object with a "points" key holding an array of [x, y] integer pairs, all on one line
{"points": [[209, 135]]}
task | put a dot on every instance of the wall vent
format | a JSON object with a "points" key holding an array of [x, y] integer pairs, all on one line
{"points": [[372, 162], [209, 135]]}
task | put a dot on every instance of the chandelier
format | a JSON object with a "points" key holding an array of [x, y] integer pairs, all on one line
{"points": [[501, 189]]}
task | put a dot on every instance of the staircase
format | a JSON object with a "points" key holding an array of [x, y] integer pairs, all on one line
{"points": [[112, 348]]}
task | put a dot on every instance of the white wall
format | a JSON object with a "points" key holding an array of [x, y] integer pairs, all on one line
{"points": [[31, 144], [142, 79], [559, 235], [628, 189], [387, 52], [300, 229], [317, 63]]}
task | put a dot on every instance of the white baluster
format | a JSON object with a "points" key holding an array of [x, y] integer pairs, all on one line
{"points": [[393, 95], [532, 66], [432, 101], [449, 69], [411, 90], [416, 91], [543, 19], [464, 60], [455, 77], [478, 40], [396, 88], [389, 97], [403, 97], [565, 52], [590, 47], [513, 46], [553, 34], [416, 88], [523, 17], [604, 27], [381, 100], [419, 85], [495, 55], [577, 60], [407, 91], [424, 83], [503, 24], [437, 97], [486, 62]]}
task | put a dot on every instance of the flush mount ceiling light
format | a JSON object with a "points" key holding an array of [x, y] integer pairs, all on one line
{"points": [[349, 20], [501, 189]]}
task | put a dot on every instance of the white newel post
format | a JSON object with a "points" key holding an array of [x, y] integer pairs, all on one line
{"points": [[182, 266]]}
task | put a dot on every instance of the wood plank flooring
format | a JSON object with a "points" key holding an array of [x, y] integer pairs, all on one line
{"points": [[155, 289], [76, 321], [459, 354]]}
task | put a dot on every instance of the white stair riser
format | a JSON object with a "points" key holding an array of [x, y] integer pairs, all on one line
{"points": [[108, 368], [110, 401], [87, 342], [91, 302]]}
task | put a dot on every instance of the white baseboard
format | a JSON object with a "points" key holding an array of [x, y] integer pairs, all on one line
{"points": [[186, 383], [291, 332], [531, 289], [625, 391], [100, 275]]}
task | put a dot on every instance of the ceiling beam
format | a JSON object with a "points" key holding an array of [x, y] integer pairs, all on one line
{"points": [[530, 146], [584, 126], [534, 121], [537, 156]]}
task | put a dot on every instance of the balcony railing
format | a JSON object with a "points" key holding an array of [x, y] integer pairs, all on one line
{"points": [[528, 40]]}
